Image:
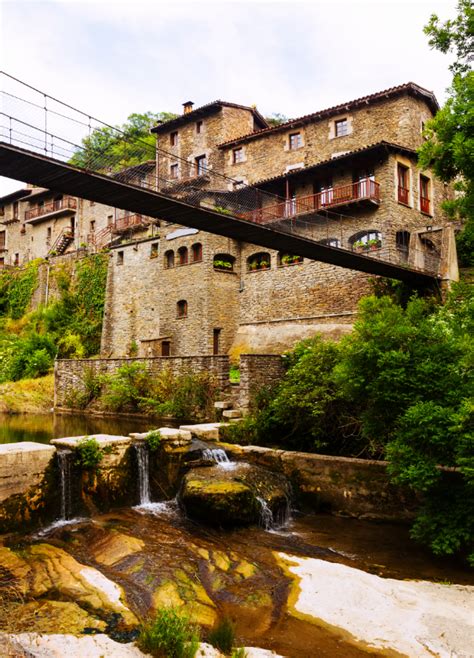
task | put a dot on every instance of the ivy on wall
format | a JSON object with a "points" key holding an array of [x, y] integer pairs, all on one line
{"points": [[17, 288]]}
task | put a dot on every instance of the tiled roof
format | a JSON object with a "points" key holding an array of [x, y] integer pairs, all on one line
{"points": [[364, 149], [14, 196], [202, 111], [409, 88]]}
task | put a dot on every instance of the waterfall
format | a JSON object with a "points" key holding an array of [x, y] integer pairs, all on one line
{"points": [[143, 473], [266, 514], [268, 520], [65, 462], [216, 455]]}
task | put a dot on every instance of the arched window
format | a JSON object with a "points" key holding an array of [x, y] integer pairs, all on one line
{"points": [[169, 259], [182, 308], [331, 242], [260, 261], [183, 256], [196, 252], [366, 240], [224, 262], [284, 259]]}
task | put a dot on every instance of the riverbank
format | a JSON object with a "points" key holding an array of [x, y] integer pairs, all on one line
{"points": [[27, 396]]}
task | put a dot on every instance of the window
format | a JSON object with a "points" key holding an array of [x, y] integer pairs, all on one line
{"points": [[366, 241], [174, 171], [341, 127], [2, 211], [223, 262], [198, 127], [403, 184], [174, 138], [331, 242], [169, 259], [3, 237], [48, 235], [201, 165], [15, 210], [119, 257], [16, 261], [424, 194], [216, 335], [237, 155], [92, 225], [325, 193], [196, 252], [165, 348], [285, 259], [110, 220], [402, 241], [154, 250], [183, 256], [260, 261], [295, 141], [182, 309]]}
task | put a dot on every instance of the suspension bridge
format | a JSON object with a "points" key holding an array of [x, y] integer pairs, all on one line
{"points": [[44, 141]]}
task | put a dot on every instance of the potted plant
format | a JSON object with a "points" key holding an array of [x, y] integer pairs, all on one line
{"points": [[264, 265], [359, 246], [253, 265], [374, 244], [287, 259], [222, 265]]}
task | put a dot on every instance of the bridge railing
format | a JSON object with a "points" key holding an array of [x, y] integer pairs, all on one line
{"points": [[38, 122]]}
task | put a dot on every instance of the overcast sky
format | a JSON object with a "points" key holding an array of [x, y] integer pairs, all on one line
{"points": [[112, 58]]}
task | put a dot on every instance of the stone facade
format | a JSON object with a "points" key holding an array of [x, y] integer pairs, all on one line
{"points": [[346, 175]]}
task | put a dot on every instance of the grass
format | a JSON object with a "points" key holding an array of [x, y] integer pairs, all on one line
{"points": [[222, 636], [34, 396], [169, 635]]}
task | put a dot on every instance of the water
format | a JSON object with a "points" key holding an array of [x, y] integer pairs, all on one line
{"points": [[41, 428], [65, 463], [274, 522], [143, 461], [218, 456], [266, 514]]}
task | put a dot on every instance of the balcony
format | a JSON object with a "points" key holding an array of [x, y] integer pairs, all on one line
{"points": [[129, 223], [425, 205], [66, 205], [362, 192]]}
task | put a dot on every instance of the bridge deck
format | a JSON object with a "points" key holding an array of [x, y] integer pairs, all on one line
{"points": [[46, 172]]}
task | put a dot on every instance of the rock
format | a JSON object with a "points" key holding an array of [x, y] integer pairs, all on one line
{"points": [[222, 497], [413, 618], [104, 440], [22, 465], [222, 404], [59, 617], [209, 431], [166, 433], [115, 547], [35, 645], [189, 594]]}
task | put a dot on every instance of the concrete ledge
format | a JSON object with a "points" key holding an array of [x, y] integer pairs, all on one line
{"points": [[23, 465], [166, 433], [104, 440], [204, 431]]}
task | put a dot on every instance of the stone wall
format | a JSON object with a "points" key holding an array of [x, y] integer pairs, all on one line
{"points": [[258, 371], [70, 373], [396, 120], [341, 485]]}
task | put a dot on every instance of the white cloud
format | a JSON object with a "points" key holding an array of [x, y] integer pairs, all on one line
{"points": [[113, 58]]}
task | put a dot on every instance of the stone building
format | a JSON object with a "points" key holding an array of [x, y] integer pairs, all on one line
{"points": [[346, 176]]}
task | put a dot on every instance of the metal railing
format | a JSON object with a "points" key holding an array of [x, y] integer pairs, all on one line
{"points": [[35, 121], [66, 203]]}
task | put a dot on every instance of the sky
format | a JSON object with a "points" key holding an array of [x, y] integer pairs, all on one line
{"points": [[113, 58]]}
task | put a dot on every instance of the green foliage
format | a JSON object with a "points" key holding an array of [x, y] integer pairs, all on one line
{"points": [[222, 636], [16, 289], [127, 388], [449, 148], [169, 635], [222, 210], [234, 374], [153, 440], [114, 148], [31, 355], [239, 653], [89, 454], [222, 264], [276, 119]]}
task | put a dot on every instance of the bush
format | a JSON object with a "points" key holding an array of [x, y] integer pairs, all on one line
{"points": [[153, 440], [169, 635], [222, 636], [126, 389], [89, 454]]}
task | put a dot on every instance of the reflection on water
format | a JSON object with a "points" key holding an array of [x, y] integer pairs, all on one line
{"points": [[44, 427]]}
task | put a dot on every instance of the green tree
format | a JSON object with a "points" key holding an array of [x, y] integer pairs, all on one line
{"points": [[276, 119], [114, 148], [449, 148]]}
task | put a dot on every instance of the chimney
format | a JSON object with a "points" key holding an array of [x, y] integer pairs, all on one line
{"points": [[188, 106]]}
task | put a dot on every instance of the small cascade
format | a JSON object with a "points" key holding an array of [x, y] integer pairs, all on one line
{"points": [[143, 462], [65, 458], [274, 521], [218, 456], [266, 514]]}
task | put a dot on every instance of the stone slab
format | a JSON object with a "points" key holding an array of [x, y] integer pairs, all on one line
{"points": [[166, 433], [208, 431], [232, 413], [102, 439], [22, 465], [222, 404]]}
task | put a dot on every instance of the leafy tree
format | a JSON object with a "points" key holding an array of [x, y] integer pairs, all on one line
{"points": [[449, 149], [276, 119], [114, 148]]}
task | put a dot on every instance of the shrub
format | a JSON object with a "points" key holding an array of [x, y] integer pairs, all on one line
{"points": [[169, 635], [89, 454], [127, 388], [222, 636], [153, 440]]}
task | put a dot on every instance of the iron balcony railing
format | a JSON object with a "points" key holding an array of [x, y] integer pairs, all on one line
{"points": [[66, 203], [129, 222], [364, 190]]}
